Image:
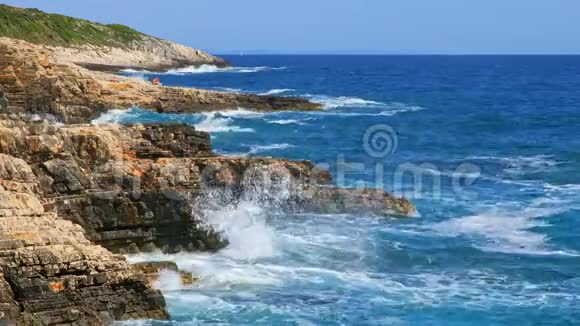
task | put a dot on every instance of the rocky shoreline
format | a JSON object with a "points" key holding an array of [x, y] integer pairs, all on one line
{"points": [[50, 273], [68, 192], [36, 79], [73, 196]]}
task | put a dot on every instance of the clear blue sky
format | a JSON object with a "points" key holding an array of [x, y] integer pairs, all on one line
{"points": [[360, 26]]}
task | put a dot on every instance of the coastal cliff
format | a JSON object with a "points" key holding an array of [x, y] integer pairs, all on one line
{"points": [[104, 47], [67, 190], [73, 195], [139, 188], [50, 273]]}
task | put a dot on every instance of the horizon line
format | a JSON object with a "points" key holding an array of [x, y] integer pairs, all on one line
{"points": [[315, 53]]}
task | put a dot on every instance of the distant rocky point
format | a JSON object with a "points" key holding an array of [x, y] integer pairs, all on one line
{"points": [[59, 65], [40, 79], [99, 46]]}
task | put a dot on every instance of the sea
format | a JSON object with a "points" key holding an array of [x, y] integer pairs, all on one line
{"points": [[486, 147]]}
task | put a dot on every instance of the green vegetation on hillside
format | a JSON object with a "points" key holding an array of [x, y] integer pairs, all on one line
{"points": [[38, 27]]}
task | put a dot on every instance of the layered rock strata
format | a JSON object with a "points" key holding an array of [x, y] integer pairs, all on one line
{"points": [[38, 79], [138, 188], [50, 273], [149, 53]]}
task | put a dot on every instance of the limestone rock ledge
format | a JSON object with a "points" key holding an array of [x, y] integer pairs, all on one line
{"points": [[147, 187], [51, 274], [43, 80]]}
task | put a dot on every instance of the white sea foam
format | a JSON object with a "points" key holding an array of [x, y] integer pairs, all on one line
{"points": [[566, 194], [255, 149], [474, 288], [565, 188], [245, 227], [228, 89], [430, 170], [506, 230], [242, 218], [286, 122], [386, 109], [223, 121], [307, 262], [203, 69], [256, 69], [113, 116], [134, 71], [241, 113], [277, 91], [330, 102], [300, 122], [396, 107], [478, 288], [517, 165], [219, 122], [169, 281], [223, 270]]}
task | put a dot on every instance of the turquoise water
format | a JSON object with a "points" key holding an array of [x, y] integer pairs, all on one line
{"points": [[490, 147]]}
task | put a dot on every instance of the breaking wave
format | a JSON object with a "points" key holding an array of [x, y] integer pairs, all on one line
{"points": [[219, 122], [241, 113], [277, 91], [115, 116], [256, 149], [242, 218], [203, 69], [386, 109], [289, 121], [296, 258], [330, 102], [216, 122], [517, 165], [506, 230]]}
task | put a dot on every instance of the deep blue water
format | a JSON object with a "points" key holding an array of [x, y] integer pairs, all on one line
{"points": [[491, 146]]}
